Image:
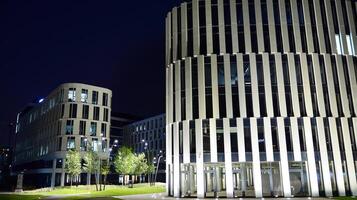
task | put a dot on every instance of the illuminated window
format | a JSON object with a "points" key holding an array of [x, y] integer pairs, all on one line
{"points": [[95, 144], [338, 44], [72, 94], [84, 96], [69, 127], [93, 129], [350, 47], [71, 143]]}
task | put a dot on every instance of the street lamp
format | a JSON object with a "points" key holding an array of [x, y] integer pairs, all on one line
{"points": [[157, 165]]}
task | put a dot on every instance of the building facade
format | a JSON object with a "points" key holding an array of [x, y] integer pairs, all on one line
{"points": [[261, 98], [73, 116], [148, 136]]}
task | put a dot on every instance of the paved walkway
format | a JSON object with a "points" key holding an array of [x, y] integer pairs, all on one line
{"points": [[164, 197]]}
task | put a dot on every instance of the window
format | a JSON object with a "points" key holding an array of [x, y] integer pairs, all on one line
{"points": [[83, 146], [350, 47], [95, 97], [69, 127], [96, 113], [104, 145], [72, 94], [84, 96], [82, 128], [106, 115], [105, 99], [338, 44], [95, 144], [104, 130], [93, 129], [71, 143], [85, 112], [73, 111]]}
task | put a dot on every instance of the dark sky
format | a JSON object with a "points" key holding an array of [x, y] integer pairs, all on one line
{"points": [[112, 43]]}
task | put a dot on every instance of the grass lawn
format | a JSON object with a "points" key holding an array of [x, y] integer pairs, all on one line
{"points": [[84, 192]]}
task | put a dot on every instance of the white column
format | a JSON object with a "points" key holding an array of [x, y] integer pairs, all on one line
{"points": [[352, 24], [174, 34], [331, 86], [296, 25], [178, 91], [209, 27], [221, 27], [195, 27], [284, 26], [353, 82], [188, 84], [232, 5], [53, 176], [349, 156], [343, 89], [168, 159], [228, 157], [324, 156], [306, 85], [246, 22], [267, 86], [319, 26], [228, 86], [318, 85], [281, 85], [254, 85], [199, 159], [215, 99], [293, 85], [168, 38], [241, 86], [283, 157], [63, 174], [201, 87], [213, 139], [186, 141], [171, 94], [241, 142], [257, 175], [295, 138], [259, 25], [272, 33], [176, 159], [330, 26], [311, 158], [337, 157], [308, 28], [184, 35], [268, 140]]}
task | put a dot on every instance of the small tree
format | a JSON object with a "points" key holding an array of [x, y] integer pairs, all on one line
{"points": [[150, 170], [91, 164], [124, 161], [105, 171], [73, 164], [140, 164]]}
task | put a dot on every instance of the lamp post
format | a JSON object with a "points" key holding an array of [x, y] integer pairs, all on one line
{"points": [[158, 165]]}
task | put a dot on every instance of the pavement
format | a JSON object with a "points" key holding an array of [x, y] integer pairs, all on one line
{"points": [[164, 197]]}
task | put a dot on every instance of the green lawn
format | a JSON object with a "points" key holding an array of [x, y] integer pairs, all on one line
{"points": [[84, 192]]}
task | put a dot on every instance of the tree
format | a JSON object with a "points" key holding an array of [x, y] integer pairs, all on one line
{"points": [[124, 162], [140, 164], [73, 164], [105, 171], [92, 164], [150, 170]]}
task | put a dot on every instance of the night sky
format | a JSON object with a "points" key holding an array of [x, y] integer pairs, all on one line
{"points": [[112, 43]]}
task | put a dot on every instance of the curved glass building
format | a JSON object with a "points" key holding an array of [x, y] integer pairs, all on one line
{"points": [[261, 98]]}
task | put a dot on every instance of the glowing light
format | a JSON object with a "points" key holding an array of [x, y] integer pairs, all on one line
{"points": [[41, 100]]}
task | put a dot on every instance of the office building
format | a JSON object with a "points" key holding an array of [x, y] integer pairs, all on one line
{"points": [[261, 98], [73, 116], [148, 136]]}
